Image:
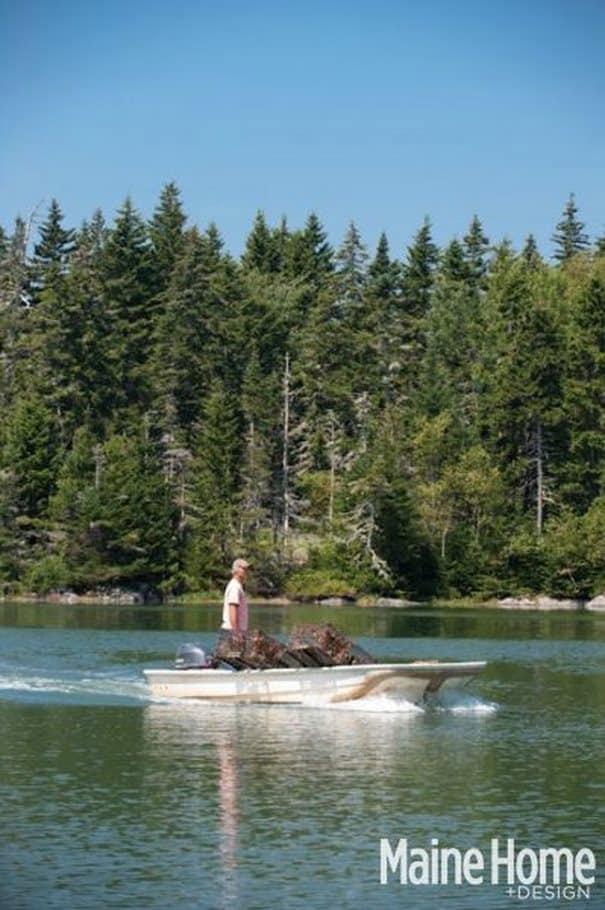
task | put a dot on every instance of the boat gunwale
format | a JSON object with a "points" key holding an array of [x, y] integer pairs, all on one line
{"points": [[416, 668]]}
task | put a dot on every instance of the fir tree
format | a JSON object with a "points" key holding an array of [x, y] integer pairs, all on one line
{"points": [[584, 390], [213, 517], [351, 259], [180, 367], [476, 244], [530, 253], [93, 235], [258, 394], [78, 355], [569, 237], [14, 268], [262, 251], [166, 232], [281, 240], [419, 272], [382, 302], [52, 252], [453, 265], [131, 520], [214, 245], [32, 454], [525, 405], [310, 255], [127, 292], [383, 273]]}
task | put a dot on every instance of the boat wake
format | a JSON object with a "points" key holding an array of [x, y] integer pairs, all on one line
{"points": [[27, 685], [373, 704], [462, 703], [454, 702]]}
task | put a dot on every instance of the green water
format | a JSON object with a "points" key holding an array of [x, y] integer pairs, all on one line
{"points": [[112, 800]]}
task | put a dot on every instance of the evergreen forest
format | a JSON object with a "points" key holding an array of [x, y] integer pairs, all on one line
{"points": [[423, 422]]}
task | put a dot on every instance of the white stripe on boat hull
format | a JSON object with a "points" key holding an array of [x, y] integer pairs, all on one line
{"points": [[290, 685]]}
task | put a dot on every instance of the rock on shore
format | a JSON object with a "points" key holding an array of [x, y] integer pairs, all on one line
{"points": [[540, 603]]}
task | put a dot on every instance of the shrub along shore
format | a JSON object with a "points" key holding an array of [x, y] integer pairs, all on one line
{"points": [[123, 597]]}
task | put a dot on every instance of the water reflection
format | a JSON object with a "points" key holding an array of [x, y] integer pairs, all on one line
{"points": [[160, 805], [405, 623], [280, 787]]}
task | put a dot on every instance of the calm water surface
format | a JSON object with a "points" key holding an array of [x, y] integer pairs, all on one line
{"points": [[112, 800]]}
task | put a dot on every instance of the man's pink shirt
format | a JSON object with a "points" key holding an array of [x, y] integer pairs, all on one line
{"points": [[234, 594]]}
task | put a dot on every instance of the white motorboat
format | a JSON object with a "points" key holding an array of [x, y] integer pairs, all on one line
{"points": [[296, 685]]}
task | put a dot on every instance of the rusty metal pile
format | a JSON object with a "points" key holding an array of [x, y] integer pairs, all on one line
{"points": [[308, 646]]}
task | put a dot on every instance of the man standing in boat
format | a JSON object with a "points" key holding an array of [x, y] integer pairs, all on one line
{"points": [[235, 605]]}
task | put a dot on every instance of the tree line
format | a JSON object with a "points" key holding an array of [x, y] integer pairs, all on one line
{"points": [[430, 424]]}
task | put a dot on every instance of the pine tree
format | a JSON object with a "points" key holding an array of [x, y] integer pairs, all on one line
{"points": [[131, 519], [127, 293], [15, 317], [258, 395], [524, 400], [72, 507], [32, 454], [53, 250], [383, 524], [214, 245], [281, 239], [9, 533], [383, 273], [584, 390], [530, 253], [476, 244], [78, 352], [383, 312], [569, 237], [271, 315], [262, 251], [452, 363], [49, 269], [327, 365], [213, 514], [310, 256], [180, 369], [166, 233], [418, 278], [78, 474], [453, 265], [419, 272], [91, 238], [351, 259], [14, 268], [228, 328]]}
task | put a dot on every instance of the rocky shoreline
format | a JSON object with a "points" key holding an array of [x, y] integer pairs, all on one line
{"points": [[597, 604], [146, 594]]}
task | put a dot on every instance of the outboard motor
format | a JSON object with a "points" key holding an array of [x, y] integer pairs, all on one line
{"points": [[190, 657]]}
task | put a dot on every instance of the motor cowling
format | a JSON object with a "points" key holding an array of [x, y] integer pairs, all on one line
{"points": [[190, 657]]}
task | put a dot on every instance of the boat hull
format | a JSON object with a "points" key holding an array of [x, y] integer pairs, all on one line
{"points": [[411, 681]]}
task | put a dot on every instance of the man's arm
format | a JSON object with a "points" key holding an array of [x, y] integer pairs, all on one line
{"points": [[234, 617]]}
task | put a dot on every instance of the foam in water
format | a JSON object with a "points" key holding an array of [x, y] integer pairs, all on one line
{"points": [[70, 687], [457, 702], [373, 704]]}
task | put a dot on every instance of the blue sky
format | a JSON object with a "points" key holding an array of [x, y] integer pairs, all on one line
{"points": [[380, 112]]}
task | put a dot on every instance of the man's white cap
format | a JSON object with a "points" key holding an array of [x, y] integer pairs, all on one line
{"points": [[240, 564]]}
